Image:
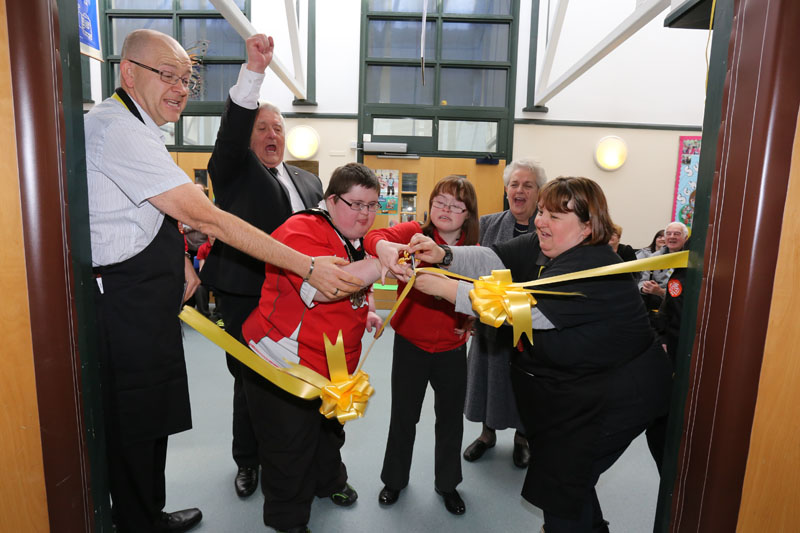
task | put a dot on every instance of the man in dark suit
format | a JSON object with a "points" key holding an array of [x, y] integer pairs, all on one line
{"points": [[251, 181]]}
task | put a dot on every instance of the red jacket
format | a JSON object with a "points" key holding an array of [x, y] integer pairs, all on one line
{"points": [[281, 313], [426, 321]]}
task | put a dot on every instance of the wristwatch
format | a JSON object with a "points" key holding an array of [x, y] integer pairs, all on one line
{"points": [[448, 255]]}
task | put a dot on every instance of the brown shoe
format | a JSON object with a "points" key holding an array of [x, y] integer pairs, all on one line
{"points": [[476, 450]]}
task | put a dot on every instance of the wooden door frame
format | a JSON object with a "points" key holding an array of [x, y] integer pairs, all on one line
{"points": [[46, 87]]}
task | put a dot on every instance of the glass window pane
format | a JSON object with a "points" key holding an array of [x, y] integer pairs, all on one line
{"points": [[475, 41], [206, 5], [200, 131], [221, 37], [478, 7], [406, 6], [399, 85], [215, 80], [169, 133], [408, 127], [473, 87], [141, 4], [121, 27], [399, 39], [467, 136]]}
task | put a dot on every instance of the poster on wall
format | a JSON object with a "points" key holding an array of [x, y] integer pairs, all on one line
{"points": [[686, 180], [89, 29], [389, 180]]}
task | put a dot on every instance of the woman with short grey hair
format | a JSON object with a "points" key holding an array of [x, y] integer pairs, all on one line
{"points": [[490, 399]]}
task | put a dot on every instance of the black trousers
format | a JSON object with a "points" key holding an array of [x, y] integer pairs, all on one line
{"points": [[299, 451], [136, 477], [606, 452], [235, 309], [412, 370]]}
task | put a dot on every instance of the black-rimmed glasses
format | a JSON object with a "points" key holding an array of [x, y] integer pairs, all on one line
{"points": [[168, 77], [372, 207]]}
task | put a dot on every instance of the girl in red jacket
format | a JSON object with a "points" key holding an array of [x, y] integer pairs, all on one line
{"points": [[429, 346]]}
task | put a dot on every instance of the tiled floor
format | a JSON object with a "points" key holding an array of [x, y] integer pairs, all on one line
{"points": [[200, 469]]}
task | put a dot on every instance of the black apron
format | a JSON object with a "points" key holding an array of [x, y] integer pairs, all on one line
{"points": [[146, 391]]}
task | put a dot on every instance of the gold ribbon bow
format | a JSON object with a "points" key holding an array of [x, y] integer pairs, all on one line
{"points": [[496, 301], [343, 396]]}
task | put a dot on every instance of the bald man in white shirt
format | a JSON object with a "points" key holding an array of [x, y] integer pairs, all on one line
{"points": [[136, 194]]}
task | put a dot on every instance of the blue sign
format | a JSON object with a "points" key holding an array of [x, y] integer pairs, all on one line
{"points": [[89, 28]]}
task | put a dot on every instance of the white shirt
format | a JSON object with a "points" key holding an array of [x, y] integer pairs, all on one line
{"points": [[126, 164]]}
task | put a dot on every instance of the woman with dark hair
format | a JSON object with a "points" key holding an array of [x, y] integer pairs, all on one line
{"points": [[298, 447], [594, 377], [659, 241], [429, 347]]}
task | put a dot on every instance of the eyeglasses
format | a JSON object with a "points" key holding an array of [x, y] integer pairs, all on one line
{"points": [[449, 207], [169, 77], [372, 207]]}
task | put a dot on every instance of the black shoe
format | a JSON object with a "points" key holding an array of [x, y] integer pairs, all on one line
{"points": [[388, 496], [179, 520], [246, 481], [453, 502], [476, 450], [296, 529], [522, 455], [346, 496]]}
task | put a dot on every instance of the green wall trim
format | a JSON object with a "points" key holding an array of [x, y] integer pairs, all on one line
{"points": [[590, 124], [533, 45], [311, 64], [325, 116]]}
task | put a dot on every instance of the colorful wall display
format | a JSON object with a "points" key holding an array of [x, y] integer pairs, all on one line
{"points": [[390, 183], [686, 179]]}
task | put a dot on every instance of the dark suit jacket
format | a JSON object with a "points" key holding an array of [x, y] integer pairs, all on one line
{"points": [[244, 187]]}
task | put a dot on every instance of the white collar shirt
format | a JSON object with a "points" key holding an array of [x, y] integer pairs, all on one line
{"points": [[126, 164]]}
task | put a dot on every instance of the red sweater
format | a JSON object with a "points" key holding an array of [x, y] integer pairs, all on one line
{"points": [[281, 312], [427, 322]]}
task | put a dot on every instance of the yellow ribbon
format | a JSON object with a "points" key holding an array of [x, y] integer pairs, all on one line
{"points": [[344, 396], [497, 300]]}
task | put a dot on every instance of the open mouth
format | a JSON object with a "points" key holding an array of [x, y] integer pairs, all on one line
{"points": [[171, 102]]}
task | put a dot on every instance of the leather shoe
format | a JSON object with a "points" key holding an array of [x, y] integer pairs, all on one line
{"points": [[476, 450], [246, 481], [453, 502], [346, 496], [179, 520], [388, 496], [521, 455]]}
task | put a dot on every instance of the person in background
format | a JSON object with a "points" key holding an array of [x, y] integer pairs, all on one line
{"points": [[653, 283], [429, 347], [298, 447], [251, 181], [625, 251], [594, 377], [657, 243], [136, 194], [490, 399], [668, 325]]}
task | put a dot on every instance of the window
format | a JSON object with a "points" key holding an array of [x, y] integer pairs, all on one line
{"points": [[461, 102], [203, 32]]}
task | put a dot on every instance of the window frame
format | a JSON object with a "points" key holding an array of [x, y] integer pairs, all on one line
{"points": [[503, 116], [176, 14]]}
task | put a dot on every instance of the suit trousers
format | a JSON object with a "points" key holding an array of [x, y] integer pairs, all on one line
{"points": [[136, 478], [235, 309], [299, 451], [412, 369]]}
